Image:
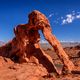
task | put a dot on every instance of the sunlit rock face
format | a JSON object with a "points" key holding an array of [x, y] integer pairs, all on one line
{"points": [[25, 46]]}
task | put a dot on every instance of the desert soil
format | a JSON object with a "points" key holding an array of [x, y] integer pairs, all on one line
{"points": [[10, 70]]}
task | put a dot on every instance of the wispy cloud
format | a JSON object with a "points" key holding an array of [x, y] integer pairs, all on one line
{"points": [[50, 15], [78, 16], [67, 19], [70, 18]]}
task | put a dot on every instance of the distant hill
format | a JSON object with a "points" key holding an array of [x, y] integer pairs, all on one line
{"points": [[70, 44], [64, 44], [1, 43]]}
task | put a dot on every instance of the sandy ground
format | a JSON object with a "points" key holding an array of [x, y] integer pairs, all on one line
{"points": [[30, 71]]}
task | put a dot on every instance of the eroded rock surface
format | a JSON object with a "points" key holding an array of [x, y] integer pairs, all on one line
{"points": [[26, 71], [25, 46]]}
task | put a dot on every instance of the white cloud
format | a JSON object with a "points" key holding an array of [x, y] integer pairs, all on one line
{"points": [[78, 16], [50, 15], [69, 19], [64, 21]]}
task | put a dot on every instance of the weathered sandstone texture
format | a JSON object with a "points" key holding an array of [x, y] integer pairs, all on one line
{"points": [[25, 46]]}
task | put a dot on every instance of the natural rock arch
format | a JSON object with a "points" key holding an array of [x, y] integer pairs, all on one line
{"points": [[26, 44]]}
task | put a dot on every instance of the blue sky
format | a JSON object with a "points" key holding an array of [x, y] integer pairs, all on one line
{"points": [[64, 16]]}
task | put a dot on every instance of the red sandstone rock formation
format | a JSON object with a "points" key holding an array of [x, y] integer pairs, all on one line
{"points": [[26, 47], [41, 22]]}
